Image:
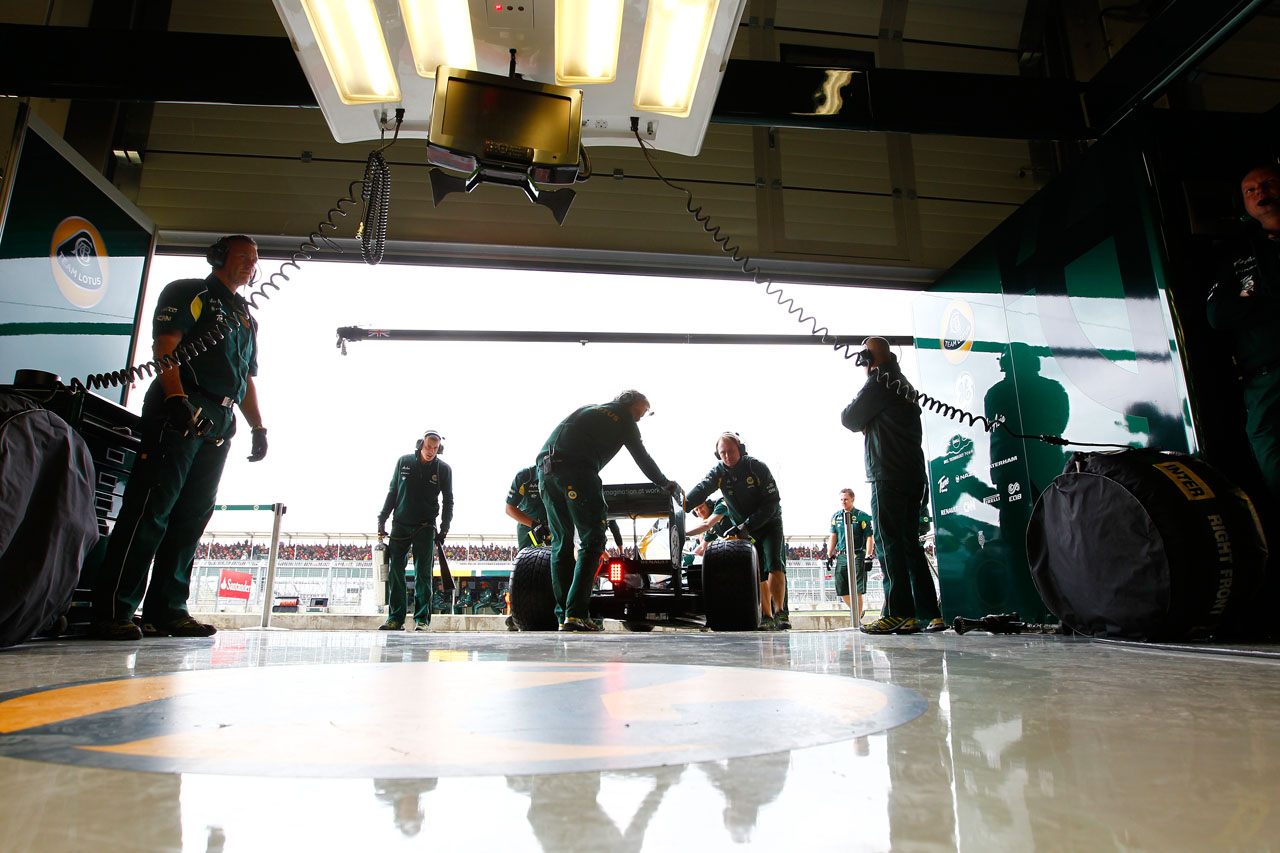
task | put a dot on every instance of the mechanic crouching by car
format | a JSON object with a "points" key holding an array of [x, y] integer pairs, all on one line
{"points": [[524, 504], [751, 495], [419, 481], [569, 478]]}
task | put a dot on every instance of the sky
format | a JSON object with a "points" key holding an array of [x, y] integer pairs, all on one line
{"points": [[337, 424]]}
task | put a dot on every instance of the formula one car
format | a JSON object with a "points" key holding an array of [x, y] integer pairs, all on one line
{"points": [[650, 586]]}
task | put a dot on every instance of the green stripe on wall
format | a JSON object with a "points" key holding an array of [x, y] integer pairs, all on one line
{"points": [[66, 329]]}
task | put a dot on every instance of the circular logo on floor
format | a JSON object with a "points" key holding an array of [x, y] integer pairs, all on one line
{"points": [[447, 718]]}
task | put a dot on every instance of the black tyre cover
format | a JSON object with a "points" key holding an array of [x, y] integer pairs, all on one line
{"points": [[731, 586], [47, 520], [1144, 544], [533, 601]]}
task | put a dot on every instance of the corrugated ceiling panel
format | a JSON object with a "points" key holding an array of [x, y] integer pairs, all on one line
{"points": [[951, 228], [990, 23], [1244, 73], [854, 17], [954, 167], [835, 160], [934, 57], [237, 17], [840, 219], [1231, 94]]}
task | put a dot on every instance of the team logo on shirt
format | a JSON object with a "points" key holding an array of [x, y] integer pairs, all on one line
{"points": [[435, 478], [79, 258], [573, 495], [751, 481]]}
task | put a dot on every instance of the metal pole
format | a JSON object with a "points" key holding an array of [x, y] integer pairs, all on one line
{"points": [[268, 588], [855, 617]]}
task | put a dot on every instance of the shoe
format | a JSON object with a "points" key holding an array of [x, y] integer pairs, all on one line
{"points": [[934, 626], [511, 624], [767, 624], [588, 625], [184, 627], [391, 625], [422, 626], [115, 630], [892, 625], [782, 622]]}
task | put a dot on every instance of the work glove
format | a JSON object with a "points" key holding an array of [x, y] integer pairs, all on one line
{"points": [[180, 415], [831, 558], [259, 449], [672, 488], [441, 534], [740, 531], [382, 528], [541, 532]]}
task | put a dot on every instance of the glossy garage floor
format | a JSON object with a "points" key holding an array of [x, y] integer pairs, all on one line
{"points": [[801, 741]]}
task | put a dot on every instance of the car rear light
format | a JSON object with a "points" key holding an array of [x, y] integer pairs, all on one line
{"points": [[615, 571]]}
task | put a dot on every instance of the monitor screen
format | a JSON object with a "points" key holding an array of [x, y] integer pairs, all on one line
{"points": [[513, 116]]}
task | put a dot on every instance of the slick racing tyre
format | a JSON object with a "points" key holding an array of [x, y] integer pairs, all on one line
{"points": [[731, 586], [533, 603]]}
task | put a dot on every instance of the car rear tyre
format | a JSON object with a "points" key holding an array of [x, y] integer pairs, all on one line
{"points": [[533, 602], [731, 586]]}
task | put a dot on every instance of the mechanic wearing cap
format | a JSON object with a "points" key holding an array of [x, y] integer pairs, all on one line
{"points": [[1244, 305], [524, 504], [569, 477], [890, 424], [859, 523], [187, 425], [418, 483], [751, 495]]}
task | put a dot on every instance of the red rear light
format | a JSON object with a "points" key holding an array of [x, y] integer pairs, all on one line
{"points": [[615, 571]]}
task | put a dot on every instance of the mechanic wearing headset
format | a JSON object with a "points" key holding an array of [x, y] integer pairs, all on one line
{"points": [[751, 495], [890, 424], [524, 504], [419, 481], [569, 477], [187, 425]]}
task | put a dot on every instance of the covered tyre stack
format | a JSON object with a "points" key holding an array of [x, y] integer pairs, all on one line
{"points": [[533, 601], [731, 585], [1146, 545], [47, 522]]}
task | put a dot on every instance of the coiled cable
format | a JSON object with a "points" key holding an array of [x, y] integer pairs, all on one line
{"points": [[376, 196], [899, 386]]}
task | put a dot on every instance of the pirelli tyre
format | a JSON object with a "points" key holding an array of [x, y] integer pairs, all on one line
{"points": [[533, 603], [731, 586]]}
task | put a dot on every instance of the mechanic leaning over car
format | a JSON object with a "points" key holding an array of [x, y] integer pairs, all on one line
{"points": [[751, 495], [569, 477], [524, 504], [419, 481]]}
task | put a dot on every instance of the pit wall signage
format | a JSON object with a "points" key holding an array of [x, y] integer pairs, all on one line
{"points": [[234, 584]]}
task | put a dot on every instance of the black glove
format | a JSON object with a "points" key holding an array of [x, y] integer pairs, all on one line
{"points": [[738, 530], [441, 534], [259, 449], [541, 532], [382, 527], [179, 414], [831, 558]]}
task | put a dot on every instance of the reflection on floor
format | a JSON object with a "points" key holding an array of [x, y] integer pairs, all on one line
{"points": [[1016, 742]]}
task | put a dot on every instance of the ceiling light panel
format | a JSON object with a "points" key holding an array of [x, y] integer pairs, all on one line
{"points": [[439, 33]]}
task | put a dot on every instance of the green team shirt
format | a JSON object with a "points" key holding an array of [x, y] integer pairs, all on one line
{"points": [[593, 435], [718, 529], [861, 525], [416, 490], [193, 306], [525, 495], [748, 489]]}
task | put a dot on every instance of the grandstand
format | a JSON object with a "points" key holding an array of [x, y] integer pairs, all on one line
{"points": [[333, 572]]}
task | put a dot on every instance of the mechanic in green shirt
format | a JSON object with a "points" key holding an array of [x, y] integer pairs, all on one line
{"points": [[524, 504], [170, 493], [751, 495], [569, 478], [418, 483], [859, 523]]}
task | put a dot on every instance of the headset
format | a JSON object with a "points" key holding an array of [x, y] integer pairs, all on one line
{"points": [[216, 254], [431, 434], [737, 439]]}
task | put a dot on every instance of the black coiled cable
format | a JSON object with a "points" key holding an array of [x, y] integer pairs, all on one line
{"points": [[376, 194], [899, 386]]}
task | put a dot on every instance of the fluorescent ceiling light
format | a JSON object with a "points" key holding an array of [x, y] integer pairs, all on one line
{"points": [[587, 34], [676, 33], [350, 40], [439, 34]]}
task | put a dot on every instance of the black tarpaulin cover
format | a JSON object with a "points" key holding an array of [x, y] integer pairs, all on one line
{"points": [[47, 522], [1144, 544]]}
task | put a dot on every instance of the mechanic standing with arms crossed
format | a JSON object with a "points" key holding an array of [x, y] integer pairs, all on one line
{"points": [[170, 494], [891, 427], [417, 484], [751, 495], [569, 477]]}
